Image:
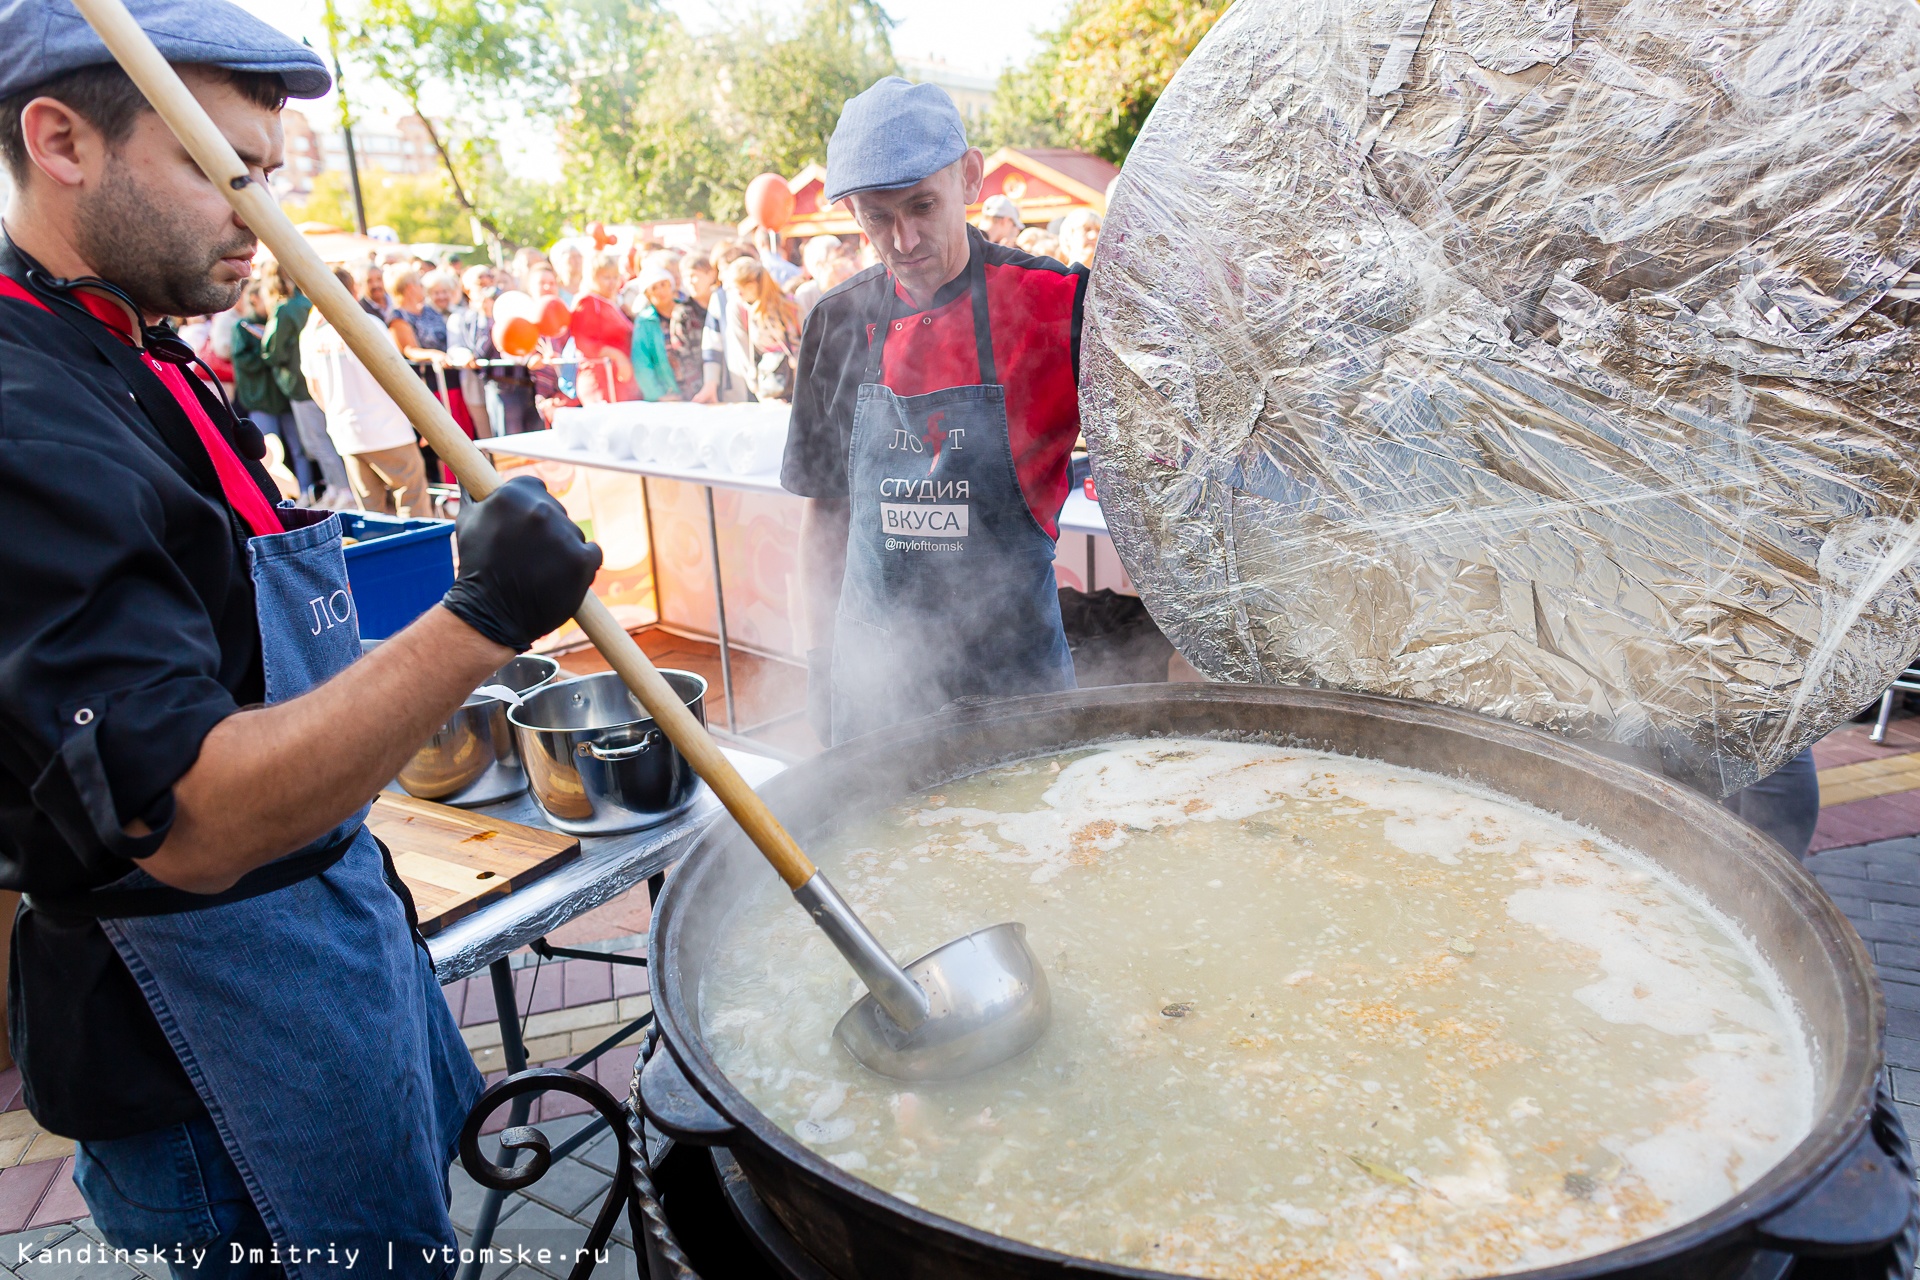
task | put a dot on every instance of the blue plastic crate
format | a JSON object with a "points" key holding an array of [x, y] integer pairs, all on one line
{"points": [[398, 569]]}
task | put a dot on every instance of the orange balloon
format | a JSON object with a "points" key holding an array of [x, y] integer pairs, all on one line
{"points": [[553, 317], [598, 230], [515, 335], [770, 201]]}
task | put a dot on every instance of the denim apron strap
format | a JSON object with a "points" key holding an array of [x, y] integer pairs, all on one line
{"points": [[949, 589], [307, 1017]]}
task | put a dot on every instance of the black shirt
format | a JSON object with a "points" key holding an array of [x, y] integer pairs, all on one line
{"points": [[128, 633], [1033, 310]]}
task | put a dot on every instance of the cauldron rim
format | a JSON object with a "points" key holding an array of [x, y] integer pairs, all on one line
{"points": [[1835, 1126]]}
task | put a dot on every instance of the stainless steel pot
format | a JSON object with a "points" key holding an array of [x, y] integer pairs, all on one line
{"points": [[596, 761], [471, 759], [1840, 1191]]}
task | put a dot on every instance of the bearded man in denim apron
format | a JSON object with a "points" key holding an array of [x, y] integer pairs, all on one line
{"points": [[934, 414], [216, 989]]}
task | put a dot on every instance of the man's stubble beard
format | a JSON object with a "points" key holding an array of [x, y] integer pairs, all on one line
{"points": [[150, 249]]}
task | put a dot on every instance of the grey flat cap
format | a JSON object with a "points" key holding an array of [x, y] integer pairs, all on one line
{"points": [[892, 136], [41, 39]]}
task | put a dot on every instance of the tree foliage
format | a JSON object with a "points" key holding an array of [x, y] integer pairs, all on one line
{"points": [[489, 54], [652, 120], [418, 206], [681, 128], [1097, 75]]}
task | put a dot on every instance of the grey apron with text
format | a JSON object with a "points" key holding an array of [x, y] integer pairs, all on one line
{"points": [[949, 589]]}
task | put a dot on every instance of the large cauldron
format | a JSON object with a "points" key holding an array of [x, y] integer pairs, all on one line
{"points": [[1838, 1192]]}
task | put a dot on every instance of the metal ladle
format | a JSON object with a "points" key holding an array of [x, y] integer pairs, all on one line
{"points": [[964, 1007]]}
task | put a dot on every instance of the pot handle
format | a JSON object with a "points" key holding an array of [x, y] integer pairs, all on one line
{"points": [[669, 1100], [1865, 1203], [605, 756]]}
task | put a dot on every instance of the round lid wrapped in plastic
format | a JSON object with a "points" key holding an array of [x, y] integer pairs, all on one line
{"points": [[1553, 360]]}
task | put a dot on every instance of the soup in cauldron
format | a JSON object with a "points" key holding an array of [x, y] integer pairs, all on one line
{"points": [[1314, 1016]]}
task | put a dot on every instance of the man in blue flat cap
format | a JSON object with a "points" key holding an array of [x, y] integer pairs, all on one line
{"points": [[934, 415], [216, 989]]}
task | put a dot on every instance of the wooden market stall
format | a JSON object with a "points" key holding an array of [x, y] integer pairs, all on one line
{"points": [[1046, 182]]}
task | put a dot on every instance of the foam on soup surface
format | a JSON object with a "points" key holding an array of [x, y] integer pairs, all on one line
{"points": [[1313, 1017]]}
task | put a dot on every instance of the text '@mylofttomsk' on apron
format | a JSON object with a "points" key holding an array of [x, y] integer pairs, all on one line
{"points": [[949, 589]]}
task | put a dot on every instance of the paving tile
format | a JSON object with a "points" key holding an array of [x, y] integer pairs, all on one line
{"points": [[1872, 930], [615, 1069], [456, 994], [558, 1106], [1910, 1117], [47, 1146], [467, 1195], [535, 1228], [500, 1270], [1902, 1052], [1867, 821], [1876, 891], [1859, 908], [620, 1263], [539, 988], [32, 1242], [1906, 1085], [1899, 911], [587, 982], [570, 1187], [78, 1257], [1902, 994], [1904, 1023], [1899, 870], [62, 1203], [1900, 957], [630, 980], [603, 1154], [479, 1005], [11, 1097], [21, 1188]]}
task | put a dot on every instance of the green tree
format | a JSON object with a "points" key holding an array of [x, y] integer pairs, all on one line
{"points": [[418, 206], [492, 56], [1097, 75], [680, 127]]}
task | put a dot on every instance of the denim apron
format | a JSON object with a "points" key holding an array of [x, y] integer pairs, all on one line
{"points": [[949, 589], [307, 1016]]}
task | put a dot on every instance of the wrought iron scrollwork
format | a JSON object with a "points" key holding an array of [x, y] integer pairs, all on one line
{"points": [[528, 1140], [660, 1252]]}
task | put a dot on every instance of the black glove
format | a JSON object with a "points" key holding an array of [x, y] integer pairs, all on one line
{"points": [[524, 565]]}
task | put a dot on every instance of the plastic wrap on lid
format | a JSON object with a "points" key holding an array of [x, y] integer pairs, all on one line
{"points": [[1554, 360]]}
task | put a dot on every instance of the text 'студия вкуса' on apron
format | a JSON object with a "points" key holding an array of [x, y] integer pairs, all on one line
{"points": [[949, 589]]}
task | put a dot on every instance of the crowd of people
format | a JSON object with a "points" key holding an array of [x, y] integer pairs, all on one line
{"points": [[646, 322]]}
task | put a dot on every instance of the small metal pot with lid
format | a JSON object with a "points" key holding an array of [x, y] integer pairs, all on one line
{"points": [[471, 760], [597, 762]]}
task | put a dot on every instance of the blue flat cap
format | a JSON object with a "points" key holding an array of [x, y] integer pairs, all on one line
{"points": [[41, 39], [892, 136]]}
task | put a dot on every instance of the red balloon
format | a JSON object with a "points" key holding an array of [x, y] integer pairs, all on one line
{"points": [[770, 201], [515, 335], [554, 317]]}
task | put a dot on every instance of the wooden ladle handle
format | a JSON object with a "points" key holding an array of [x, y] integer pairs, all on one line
{"points": [[369, 341]]}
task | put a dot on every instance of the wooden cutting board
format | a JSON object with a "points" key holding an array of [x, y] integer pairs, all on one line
{"points": [[455, 861]]}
